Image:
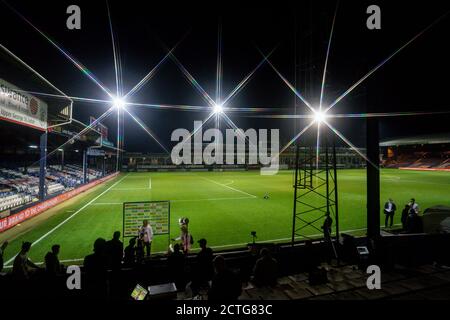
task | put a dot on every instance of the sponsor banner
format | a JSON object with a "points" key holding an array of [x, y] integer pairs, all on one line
{"points": [[96, 153], [37, 209], [20, 107], [156, 212]]}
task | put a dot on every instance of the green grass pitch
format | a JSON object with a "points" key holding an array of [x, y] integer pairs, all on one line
{"points": [[223, 207]]}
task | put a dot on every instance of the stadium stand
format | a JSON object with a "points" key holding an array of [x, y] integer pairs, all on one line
{"points": [[421, 152], [21, 186]]}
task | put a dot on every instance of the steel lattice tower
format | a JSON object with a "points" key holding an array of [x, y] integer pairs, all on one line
{"points": [[315, 192]]}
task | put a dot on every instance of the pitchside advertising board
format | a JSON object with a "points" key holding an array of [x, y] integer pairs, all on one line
{"points": [[156, 212], [20, 107]]}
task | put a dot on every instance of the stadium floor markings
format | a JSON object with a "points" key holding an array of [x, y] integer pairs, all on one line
{"points": [[227, 186], [212, 247], [70, 217]]}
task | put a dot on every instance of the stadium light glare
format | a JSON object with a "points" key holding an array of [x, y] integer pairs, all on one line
{"points": [[218, 108], [319, 116], [119, 103]]}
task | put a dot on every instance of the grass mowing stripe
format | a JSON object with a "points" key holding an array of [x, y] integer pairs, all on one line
{"points": [[68, 218]]}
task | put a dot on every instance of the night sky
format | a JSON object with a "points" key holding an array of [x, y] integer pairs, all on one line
{"points": [[414, 80]]}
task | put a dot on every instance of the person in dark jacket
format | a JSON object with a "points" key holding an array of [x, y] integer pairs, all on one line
{"points": [[114, 249], [95, 266], [52, 265], [225, 285], [2, 252], [389, 212], [266, 270], [129, 258], [176, 265], [405, 213]]}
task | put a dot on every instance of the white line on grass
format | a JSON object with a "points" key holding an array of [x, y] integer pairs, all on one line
{"points": [[129, 189], [70, 217], [231, 188]]}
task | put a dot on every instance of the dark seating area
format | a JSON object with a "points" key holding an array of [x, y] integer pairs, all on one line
{"points": [[404, 274]]}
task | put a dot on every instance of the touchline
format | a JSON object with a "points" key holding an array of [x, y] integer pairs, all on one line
{"points": [[236, 142]]}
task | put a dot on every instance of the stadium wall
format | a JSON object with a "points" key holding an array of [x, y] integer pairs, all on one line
{"points": [[15, 219]]}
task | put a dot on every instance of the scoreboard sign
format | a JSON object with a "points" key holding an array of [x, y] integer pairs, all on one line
{"points": [[156, 212]]}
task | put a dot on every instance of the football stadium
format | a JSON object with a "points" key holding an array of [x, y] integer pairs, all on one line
{"points": [[253, 155]]}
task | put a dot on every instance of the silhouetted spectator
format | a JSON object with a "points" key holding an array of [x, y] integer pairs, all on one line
{"points": [[204, 269], [311, 261], [23, 267], [52, 265], [405, 213], [95, 266], [225, 285], [326, 227], [114, 249], [414, 223], [205, 258], [176, 265], [139, 251], [2, 252], [266, 269], [129, 258]]}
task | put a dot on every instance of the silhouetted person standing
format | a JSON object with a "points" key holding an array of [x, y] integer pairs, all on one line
{"points": [[129, 258], [205, 261], [2, 252], [405, 213], [23, 267], [95, 266], [176, 265], [389, 211], [114, 249], [266, 270], [225, 285], [52, 265]]}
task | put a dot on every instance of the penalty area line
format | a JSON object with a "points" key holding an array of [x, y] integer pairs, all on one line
{"points": [[228, 187], [180, 200]]}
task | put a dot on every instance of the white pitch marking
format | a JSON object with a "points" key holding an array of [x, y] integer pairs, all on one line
{"points": [[180, 200], [127, 189], [70, 217], [231, 188]]}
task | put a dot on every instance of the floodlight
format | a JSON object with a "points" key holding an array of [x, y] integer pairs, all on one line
{"points": [[119, 103], [319, 116], [218, 108]]}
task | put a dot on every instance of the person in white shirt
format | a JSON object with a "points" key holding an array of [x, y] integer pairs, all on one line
{"points": [[146, 236], [414, 207]]}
